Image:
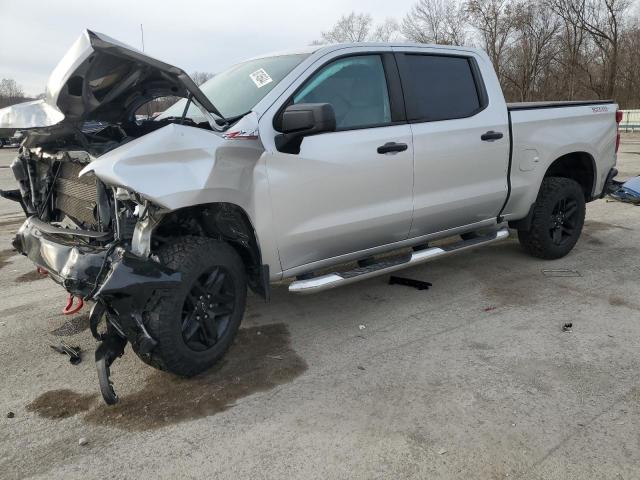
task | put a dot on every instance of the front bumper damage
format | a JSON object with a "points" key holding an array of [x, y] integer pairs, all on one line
{"points": [[121, 284]]}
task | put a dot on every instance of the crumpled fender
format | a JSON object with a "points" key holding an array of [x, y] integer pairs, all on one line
{"points": [[170, 167], [179, 166]]}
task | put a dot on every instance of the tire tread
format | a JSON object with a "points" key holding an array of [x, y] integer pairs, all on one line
{"points": [[186, 254], [534, 240]]}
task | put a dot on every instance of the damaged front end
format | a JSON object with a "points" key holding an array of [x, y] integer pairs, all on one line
{"points": [[98, 265], [90, 237]]}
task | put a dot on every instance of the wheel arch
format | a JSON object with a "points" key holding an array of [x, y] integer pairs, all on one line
{"points": [[223, 221], [579, 166]]}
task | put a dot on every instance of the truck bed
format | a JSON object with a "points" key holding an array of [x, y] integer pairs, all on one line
{"points": [[542, 132], [554, 104]]}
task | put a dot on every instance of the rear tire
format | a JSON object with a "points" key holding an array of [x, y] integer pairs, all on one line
{"points": [[195, 324], [558, 218]]}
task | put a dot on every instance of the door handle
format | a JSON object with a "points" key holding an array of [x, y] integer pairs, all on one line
{"points": [[490, 136], [392, 147]]}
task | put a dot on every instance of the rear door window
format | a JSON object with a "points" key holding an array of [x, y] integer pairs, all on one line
{"points": [[355, 86], [438, 87]]}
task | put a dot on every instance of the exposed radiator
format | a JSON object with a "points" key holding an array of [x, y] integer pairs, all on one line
{"points": [[76, 197]]}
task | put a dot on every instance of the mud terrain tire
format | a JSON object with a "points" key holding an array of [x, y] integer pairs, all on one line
{"points": [[195, 324], [558, 218]]}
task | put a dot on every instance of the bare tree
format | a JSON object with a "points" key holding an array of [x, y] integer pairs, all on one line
{"points": [[354, 27], [572, 41], [495, 23], [359, 27], [541, 49], [628, 78], [603, 21], [10, 89], [10, 92], [534, 48], [201, 77], [387, 31], [436, 21]]}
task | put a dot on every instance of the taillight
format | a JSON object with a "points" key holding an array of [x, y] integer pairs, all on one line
{"points": [[619, 115]]}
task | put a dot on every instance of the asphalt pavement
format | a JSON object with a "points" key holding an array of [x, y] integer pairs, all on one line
{"points": [[473, 378]]}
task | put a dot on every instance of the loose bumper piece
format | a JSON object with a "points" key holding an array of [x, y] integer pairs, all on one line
{"points": [[121, 283]]}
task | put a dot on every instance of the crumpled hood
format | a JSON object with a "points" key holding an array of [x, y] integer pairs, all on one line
{"points": [[102, 79]]}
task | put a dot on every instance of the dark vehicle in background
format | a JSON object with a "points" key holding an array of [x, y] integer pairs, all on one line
{"points": [[9, 136]]}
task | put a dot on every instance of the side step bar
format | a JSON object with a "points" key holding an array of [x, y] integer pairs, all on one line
{"points": [[388, 265]]}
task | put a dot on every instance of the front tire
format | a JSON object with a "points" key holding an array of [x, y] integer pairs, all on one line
{"points": [[558, 218], [195, 324]]}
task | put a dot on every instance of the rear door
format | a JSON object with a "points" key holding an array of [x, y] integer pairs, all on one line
{"points": [[339, 194], [460, 165]]}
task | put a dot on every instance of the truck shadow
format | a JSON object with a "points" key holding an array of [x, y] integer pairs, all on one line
{"points": [[260, 359]]}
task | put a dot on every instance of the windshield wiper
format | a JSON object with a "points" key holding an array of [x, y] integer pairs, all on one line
{"points": [[231, 120]]}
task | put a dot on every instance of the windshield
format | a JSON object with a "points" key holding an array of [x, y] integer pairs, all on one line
{"points": [[237, 90]]}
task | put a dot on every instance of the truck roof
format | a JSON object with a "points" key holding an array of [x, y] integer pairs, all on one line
{"points": [[309, 49]]}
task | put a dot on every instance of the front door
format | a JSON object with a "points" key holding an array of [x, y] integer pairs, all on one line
{"points": [[339, 195]]}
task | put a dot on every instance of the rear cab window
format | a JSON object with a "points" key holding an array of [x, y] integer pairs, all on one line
{"points": [[440, 87]]}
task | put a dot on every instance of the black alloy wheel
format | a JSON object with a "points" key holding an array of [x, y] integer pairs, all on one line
{"points": [[563, 220], [207, 309], [557, 219]]}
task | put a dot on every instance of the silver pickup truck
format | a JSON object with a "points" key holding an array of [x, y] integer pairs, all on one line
{"points": [[314, 165]]}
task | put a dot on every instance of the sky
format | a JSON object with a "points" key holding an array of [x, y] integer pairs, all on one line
{"points": [[196, 35]]}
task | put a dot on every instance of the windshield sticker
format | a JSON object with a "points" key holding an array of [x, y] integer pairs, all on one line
{"points": [[260, 78]]}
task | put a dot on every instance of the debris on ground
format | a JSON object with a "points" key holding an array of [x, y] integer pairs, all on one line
{"points": [[74, 352], [567, 327], [442, 451], [628, 192], [360, 367], [11, 415], [362, 327], [82, 441], [489, 309], [409, 282]]}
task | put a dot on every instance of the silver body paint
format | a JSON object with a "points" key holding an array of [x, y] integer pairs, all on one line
{"points": [[338, 200]]}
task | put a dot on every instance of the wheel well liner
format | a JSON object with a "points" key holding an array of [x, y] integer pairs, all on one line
{"points": [[578, 166], [223, 221]]}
